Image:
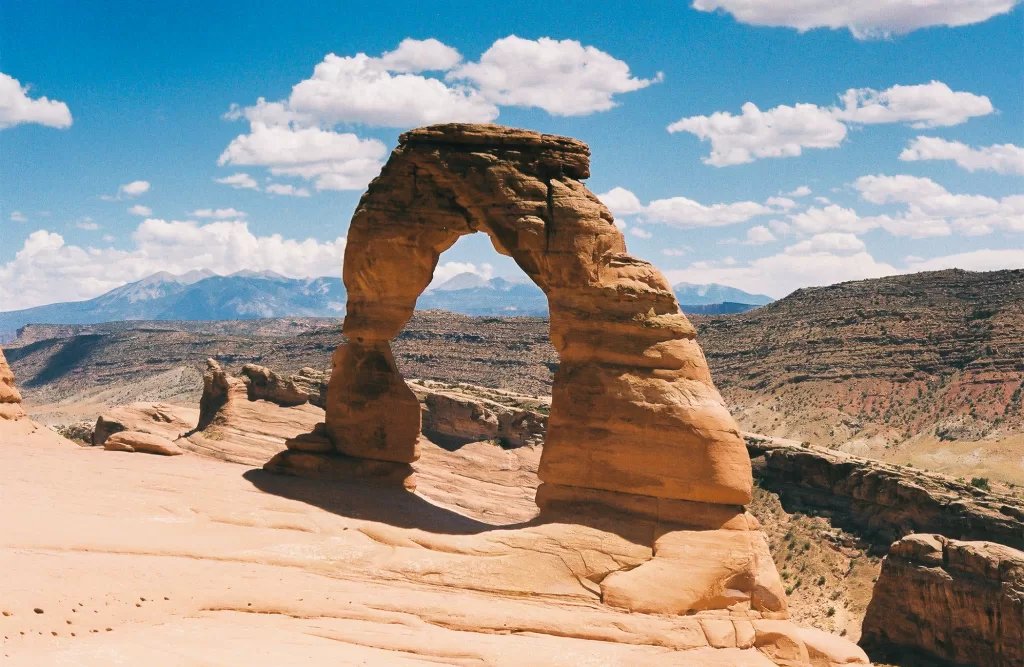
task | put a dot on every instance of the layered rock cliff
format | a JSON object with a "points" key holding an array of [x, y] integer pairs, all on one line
{"points": [[948, 600], [883, 502]]}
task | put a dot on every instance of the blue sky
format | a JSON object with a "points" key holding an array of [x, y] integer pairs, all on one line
{"points": [[143, 94]]}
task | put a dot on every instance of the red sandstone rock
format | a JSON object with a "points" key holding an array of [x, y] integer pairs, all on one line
{"points": [[10, 399], [961, 602], [163, 419], [634, 409], [147, 443]]}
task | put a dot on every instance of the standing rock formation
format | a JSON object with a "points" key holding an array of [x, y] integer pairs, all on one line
{"points": [[960, 602], [10, 399], [634, 415], [636, 429], [15, 425]]}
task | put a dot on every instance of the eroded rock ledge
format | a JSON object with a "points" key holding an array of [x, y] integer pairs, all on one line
{"points": [[883, 502], [953, 601]]}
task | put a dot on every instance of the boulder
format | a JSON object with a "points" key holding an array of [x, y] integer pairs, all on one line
{"points": [[266, 385], [137, 441], [313, 383], [162, 419], [465, 414], [948, 600]]}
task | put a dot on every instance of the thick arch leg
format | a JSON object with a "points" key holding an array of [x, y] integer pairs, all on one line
{"points": [[371, 412]]}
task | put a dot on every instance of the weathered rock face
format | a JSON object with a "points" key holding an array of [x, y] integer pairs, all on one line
{"points": [[961, 602], [10, 399], [162, 419], [234, 428], [137, 441], [884, 502], [461, 416], [634, 410], [313, 383], [264, 384]]}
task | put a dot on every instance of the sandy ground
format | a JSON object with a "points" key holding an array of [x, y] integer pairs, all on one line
{"points": [[111, 558]]}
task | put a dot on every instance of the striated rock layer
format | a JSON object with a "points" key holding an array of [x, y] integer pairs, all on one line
{"points": [[633, 409], [884, 502], [958, 602], [234, 426], [10, 399], [15, 426]]}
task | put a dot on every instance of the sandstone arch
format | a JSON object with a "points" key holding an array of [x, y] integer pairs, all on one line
{"points": [[634, 409]]}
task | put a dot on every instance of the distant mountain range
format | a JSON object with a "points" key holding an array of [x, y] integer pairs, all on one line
{"points": [[203, 295], [714, 294]]}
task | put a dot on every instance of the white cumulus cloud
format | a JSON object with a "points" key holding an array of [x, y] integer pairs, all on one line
{"points": [[759, 235], [563, 77], [139, 209], [128, 191], [240, 181], [785, 131], [333, 160], [287, 189], [680, 211], [621, 201], [422, 82], [18, 216], [16, 107], [1000, 158], [863, 18], [47, 269], [927, 105]]}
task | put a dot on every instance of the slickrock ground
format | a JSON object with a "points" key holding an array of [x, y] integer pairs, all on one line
{"points": [[464, 572], [948, 600], [188, 560]]}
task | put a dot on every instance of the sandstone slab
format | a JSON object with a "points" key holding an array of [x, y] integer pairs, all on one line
{"points": [[137, 441], [163, 419]]}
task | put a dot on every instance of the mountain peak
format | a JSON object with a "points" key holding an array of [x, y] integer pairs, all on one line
{"points": [[459, 281], [265, 275], [691, 294]]}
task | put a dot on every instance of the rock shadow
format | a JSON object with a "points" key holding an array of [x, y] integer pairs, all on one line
{"points": [[403, 509], [392, 506]]}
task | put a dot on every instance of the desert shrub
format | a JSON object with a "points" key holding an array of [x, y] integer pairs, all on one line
{"points": [[980, 483]]}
